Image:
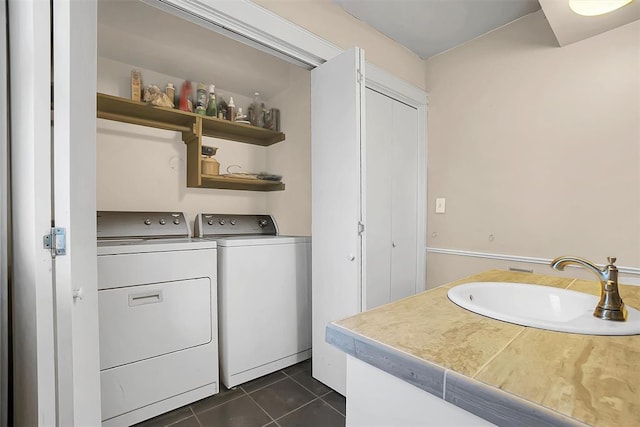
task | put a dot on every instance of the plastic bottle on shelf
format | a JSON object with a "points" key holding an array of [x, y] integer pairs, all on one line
{"points": [[212, 106], [256, 111], [240, 117], [185, 96], [171, 92], [222, 107], [231, 110], [201, 99]]}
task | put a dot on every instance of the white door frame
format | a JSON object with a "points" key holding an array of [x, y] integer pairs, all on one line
{"points": [[34, 386], [56, 355], [74, 207], [4, 222]]}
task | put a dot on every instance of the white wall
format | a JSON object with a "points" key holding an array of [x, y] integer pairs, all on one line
{"points": [[535, 145], [141, 168]]}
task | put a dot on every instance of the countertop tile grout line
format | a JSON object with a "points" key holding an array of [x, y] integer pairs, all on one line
{"points": [[496, 354]]}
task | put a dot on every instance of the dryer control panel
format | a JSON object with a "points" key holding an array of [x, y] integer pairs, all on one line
{"points": [[218, 225], [141, 225]]}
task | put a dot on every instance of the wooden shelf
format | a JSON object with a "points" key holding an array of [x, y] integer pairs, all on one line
{"points": [[193, 127], [233, 183], [125, 110]]}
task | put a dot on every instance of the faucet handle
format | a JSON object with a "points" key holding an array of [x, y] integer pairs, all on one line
{"points": [[611, 259]]}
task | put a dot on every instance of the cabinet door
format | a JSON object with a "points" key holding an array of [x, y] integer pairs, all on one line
{"points": [[337, 92], [404, 201], [378, 189]]}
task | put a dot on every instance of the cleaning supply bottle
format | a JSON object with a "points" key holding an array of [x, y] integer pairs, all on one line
{"points": [[212, 106], [231, 110], [256, 111], [201, 99], [222, 107], [171, 93], [185, 96]]}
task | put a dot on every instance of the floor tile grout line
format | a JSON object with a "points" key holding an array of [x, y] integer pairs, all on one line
{"points": [[195, 416], [260, 406], [253, 391], [296, 409], [178, 420], [306, 388], [332, 407], [218, 405]]}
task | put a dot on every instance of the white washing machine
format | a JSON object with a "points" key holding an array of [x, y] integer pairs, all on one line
{"points": [[264, 295], [157, 298]]}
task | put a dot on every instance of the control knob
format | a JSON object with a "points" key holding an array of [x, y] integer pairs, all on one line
{"points": [[162, 221], [210, 222], [262, 222], [232, 222], [176, 221], [221, 222], [147, 221]]}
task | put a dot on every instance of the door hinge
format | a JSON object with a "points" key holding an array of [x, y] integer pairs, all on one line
{"points": [[360, 76], [360, 228], [56, 241]]}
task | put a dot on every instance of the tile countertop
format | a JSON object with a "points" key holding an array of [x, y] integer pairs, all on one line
{"points": [[505, 373]]}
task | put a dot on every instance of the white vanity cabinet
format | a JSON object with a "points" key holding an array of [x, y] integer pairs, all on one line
{"points": [[368, 190]]}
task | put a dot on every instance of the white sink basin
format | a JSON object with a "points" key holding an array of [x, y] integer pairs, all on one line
{"points": [[542, 307]]}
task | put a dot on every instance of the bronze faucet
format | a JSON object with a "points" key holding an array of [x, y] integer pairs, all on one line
{"points": [[610, 306]]}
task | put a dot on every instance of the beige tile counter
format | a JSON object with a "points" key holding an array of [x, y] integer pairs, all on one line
{"points": [[587, 379]]}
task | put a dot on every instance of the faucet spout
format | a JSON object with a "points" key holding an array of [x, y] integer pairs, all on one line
{"points": [[610, 306]]}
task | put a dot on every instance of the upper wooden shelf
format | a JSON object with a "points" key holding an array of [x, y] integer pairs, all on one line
{"points": [[193, 127], [125, 110]]}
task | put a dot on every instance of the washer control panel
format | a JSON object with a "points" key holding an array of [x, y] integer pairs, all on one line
{"points": [[145, 225], [218, 225]]}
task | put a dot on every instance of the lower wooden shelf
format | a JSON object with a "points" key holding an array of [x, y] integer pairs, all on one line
{"points": [[234, 183]]}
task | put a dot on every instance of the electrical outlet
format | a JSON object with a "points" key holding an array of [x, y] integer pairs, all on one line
{"points": [[440, 205]]}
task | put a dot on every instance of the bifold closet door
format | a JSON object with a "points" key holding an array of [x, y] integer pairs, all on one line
{"points": [[378, 209], [391, 221], [404, 201]]}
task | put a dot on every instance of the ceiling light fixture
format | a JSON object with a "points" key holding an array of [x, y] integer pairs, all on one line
{"points": [[596, 7]]}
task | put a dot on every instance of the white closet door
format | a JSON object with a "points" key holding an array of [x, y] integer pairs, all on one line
{"points": [[404, 201], [337, 92], [379, 173]]}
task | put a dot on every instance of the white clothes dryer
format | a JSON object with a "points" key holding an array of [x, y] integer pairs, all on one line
{"points": [[157, 299], [264, 295]]}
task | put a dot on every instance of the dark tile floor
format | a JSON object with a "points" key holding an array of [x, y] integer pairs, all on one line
{"points": [[286, 398]]}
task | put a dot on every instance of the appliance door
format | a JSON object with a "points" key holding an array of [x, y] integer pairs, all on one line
{"points": [[158, 326], [139, 322], [265, 303]]}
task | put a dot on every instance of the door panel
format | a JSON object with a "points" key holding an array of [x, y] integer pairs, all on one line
{"points": [[74, 156], [337, 92], [404, 197], [34, 386], [378, 199], [74, 201]]}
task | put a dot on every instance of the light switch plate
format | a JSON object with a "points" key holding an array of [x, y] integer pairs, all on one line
{"points": [[440, 205]]}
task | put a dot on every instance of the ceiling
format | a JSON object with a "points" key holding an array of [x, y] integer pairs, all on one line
{"points": [[429, 27]]}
